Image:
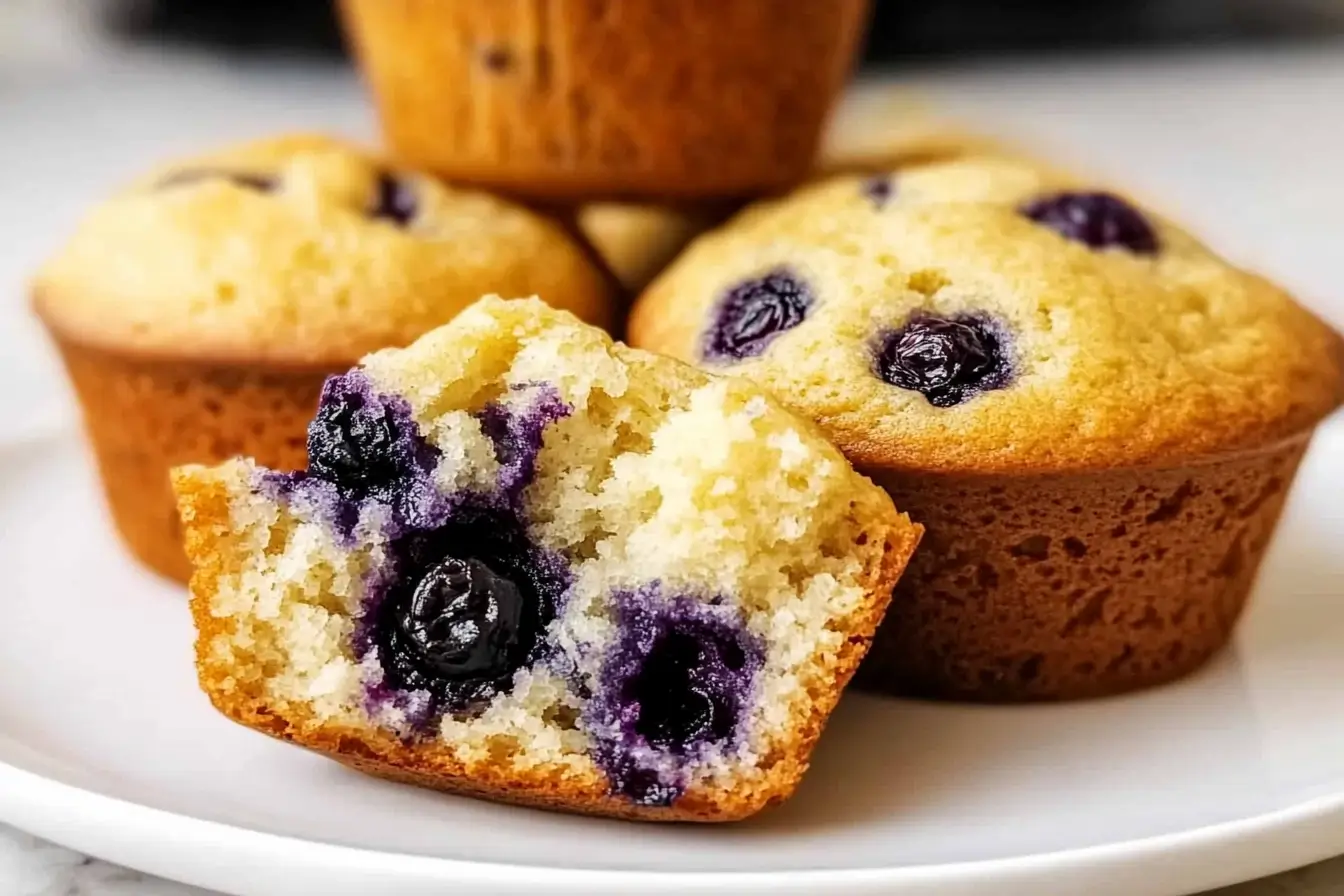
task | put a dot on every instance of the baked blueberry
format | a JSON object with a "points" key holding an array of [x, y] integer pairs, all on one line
{"points": [[677, 683], [680, 691], [394, 200], [1099, 220], [353, 441], [947, 360], [754, 313], [463, 607]]}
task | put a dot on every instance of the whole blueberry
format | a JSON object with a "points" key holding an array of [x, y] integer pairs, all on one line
{"points": [[394, 200], [754, 313], [947, 360], [353, 442], [1099, 220], [465, 607], [462, 621]]}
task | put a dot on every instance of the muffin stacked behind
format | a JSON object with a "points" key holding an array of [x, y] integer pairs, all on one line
{"points": [[584, 99], [199, 310], [1096, 417]]}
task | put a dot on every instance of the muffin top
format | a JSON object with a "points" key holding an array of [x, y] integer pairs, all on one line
{"points": [[298, 250], [986, 315]]}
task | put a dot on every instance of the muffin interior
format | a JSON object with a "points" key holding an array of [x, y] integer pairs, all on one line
{"points": [[542, 551]]}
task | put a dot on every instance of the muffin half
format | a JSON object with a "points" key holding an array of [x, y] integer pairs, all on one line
{"points": [[530, 564]]}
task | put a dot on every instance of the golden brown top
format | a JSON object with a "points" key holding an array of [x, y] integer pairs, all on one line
{"points": [[298, 250], [984, 314]]}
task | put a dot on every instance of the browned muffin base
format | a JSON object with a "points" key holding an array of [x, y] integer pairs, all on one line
{"points": [[574, 99], [432, 765], [1055, 587], [146, 416]]}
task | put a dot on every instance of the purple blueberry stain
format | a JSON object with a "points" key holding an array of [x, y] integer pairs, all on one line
{"points": [[752, 314], [1098, 220], [517, 430], [676, 685], [878, 189], [949, 360], [394, 200]]}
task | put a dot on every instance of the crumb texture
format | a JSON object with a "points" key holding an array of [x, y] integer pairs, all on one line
{"points": [[711, 569]]}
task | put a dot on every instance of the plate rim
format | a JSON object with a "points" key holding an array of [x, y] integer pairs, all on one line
{"points": [[1310, 830], [160, 841], [34, 802]]}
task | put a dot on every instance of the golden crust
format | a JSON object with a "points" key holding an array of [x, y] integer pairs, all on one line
{"points": [[1122, 360], [144, 417], [300, 275]]}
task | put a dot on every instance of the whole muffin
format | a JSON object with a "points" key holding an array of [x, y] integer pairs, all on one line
{"points": [[1096, 417], [570, 99], [199, 311], [529, 564]]}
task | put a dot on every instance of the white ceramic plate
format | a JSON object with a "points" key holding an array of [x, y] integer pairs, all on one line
{"points": [[106, 746]]}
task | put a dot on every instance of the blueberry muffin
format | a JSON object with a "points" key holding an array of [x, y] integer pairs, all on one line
{"points": [[571, 99], [1095, 416], [199, 310], [637, 240], [530, 564]]}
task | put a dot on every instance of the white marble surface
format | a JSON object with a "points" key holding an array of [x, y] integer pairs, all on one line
{"points": [[1215, 136]]}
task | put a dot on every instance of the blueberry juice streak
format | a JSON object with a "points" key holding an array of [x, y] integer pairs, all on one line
{"points": [[676, 687]]}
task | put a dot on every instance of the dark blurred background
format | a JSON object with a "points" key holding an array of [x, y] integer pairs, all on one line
{"points": [[901, 29]]}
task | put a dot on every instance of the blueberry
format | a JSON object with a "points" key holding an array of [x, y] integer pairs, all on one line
{"points": [[352, 442], [678, 680], [1099, 220], [462, 622], [679, 691], [878, 190], [394, 200], [464, 609], [753, 313], [947, 360], [248, 181]]}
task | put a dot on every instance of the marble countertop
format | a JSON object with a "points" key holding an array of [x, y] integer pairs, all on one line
{"points": [[1296, 234]]}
